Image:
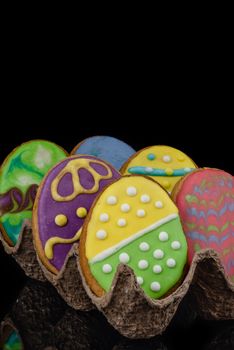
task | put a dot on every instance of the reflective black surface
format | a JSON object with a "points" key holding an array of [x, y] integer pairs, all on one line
{"points": [[43, 319]]}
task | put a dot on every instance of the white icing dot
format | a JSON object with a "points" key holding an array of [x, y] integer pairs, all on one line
{"points": [[125, 208], [158, 254], [111, 200], [140, 280], [122, 222], [187, 170], [158, 204], [167, 159], [171, 262], [175, 245], [104, 217], [144, 246], [148, 169], [140, 213], [157, 269], [124, 258], [143, 264], [163, 236], [155, 286], [145, 198], [131, 191], [106, 268], [101, 234]]}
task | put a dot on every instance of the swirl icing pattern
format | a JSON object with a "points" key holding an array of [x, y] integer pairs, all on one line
{"points": [[20, 175], [205, 200], [63, 202]]}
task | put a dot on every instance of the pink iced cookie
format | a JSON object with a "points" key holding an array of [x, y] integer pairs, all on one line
{"points": [[205, 199]]}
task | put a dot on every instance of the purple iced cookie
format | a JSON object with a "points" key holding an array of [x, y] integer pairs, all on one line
{"points": [[62, 203]]}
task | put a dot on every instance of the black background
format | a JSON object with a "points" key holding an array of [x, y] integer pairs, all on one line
{"points": [[182, 100]]}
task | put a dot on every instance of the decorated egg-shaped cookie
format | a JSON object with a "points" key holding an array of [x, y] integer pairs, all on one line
{"points": [[133, 222], [108, 148], [164, 164], [205, 200], [63, 202], [20, 174]]}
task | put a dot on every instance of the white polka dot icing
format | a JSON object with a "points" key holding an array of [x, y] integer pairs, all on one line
{"points": [[143, 264], [122, 222], [148, 169], [111, 200], [104, 217], [157, 269], [144, 243], [158, 204], [124, 258], [125, 208], [131, 191], [106, 268], [145, 198], [175, 245], [158, 254], [141, 213], [171, 262], [167, 158], [144, 246], [163, 236], [101, 234], [155, 286], [140, 280]]}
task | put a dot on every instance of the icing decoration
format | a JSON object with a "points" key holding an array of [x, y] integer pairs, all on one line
{"points": [[124, 258], [20, 175], [206, 204], [107, 268], [167, 159], [81, 212], [140, 280], [157, 269], [112, 200], [104, 217], [168, 166], [143, 264], [163, 236], [122, 222], [171, 262], [139, 240], [144, 246], [101, 234], [125, 208], [175, 245], [155, 286], [13, 342], [131, 191], [141, 170], [70, 189], [151, 156], [107, 148], [60, 220], [145, 198], [140, 213], [158, 254], [158, 204]]}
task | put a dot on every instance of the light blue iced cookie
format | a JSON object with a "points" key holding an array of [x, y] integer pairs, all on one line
{"points": [[107, 148]]}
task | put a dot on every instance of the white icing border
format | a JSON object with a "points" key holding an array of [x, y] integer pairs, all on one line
{"points": [[103, 255]]}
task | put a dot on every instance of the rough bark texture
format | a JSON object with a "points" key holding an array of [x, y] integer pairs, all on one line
{"points": [[69, 284], [135, 315], [24, 253]]}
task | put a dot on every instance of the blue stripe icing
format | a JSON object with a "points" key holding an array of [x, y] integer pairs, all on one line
{"points": [[142, 170]]}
